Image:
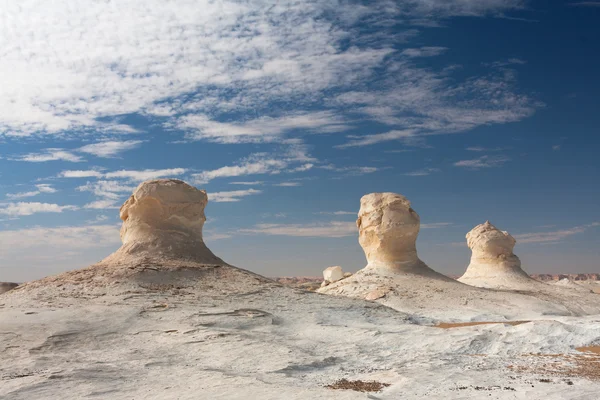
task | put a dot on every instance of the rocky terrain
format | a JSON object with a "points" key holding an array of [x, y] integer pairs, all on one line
{"points": [[165, 318], [6, 286]]}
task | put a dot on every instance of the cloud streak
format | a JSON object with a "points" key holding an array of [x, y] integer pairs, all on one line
{"points": [[231, 196], [30, 208], [482, 162]]}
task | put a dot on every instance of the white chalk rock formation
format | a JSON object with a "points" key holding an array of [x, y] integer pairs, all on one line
{"points": [[333, 274], [387, 231], [395, 276], [493, 263], [162, 249], [165, 218]]}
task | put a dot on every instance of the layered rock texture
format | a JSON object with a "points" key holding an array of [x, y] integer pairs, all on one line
{"points": [[163, 249], [387, 231], [493, 263]]}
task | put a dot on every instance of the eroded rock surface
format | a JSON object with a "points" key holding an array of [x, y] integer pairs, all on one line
{"points": [[162, 249], [387, 231], [493, 263]]}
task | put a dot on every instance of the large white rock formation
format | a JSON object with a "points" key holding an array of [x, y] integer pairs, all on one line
{"points": [[493, 263], [387, 231], [164, 218], [162, 249]]}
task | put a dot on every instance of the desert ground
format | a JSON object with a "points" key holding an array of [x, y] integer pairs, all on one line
{"points": [[165, 318]]}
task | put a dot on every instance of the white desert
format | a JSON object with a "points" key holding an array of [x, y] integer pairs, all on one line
{"points": [[165, 318]]}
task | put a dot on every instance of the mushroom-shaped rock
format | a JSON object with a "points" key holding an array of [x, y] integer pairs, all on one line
{"points": [[388, 228], [493, 263], [162, 249], [165, 217], [333, 274]]}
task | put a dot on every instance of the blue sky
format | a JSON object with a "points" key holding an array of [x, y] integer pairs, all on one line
{"points": [[288, 114]]}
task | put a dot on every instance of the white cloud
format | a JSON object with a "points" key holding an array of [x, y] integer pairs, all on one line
{"points": [[22, 195], [65, 238], [108, 189], [553, 236], [333, 229], [302, 168], [143, 175], [245, 58], [45, 188], [556, 147], [237, 47], [338, 213], [132, 175], [110, 148], [482, 149], [350, 170], [482, 162], [418, 102], [424, 52], [256, 164], [264, 166], [102, 204], [80, 174], [30, 208], [252, 183], [231, 196], [265, 129], [53, 154], [41, 188], [436, 225], [422, 172], [288, 184]]}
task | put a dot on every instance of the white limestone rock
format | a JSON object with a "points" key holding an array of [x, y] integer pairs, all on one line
{"points": [[162, 249], [493, 263], [388, 228], [333, 274], [396, 277]]}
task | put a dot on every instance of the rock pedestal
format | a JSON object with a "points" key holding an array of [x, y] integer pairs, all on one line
{"points": [[388, 228], [493, 263]]}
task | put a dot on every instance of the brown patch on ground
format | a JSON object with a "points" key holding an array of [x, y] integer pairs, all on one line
{"points": [[358, 386], [589, 349], [585, 364], [448, 325]]}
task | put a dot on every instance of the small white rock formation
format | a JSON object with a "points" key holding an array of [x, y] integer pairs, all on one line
{"points": [[387, 231], [493, 263], [332, 274]]}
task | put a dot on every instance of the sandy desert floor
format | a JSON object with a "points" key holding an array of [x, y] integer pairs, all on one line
{"points": [[277, 342]]}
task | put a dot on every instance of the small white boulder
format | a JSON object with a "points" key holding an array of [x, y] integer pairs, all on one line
{"points": [[333, 274]]}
